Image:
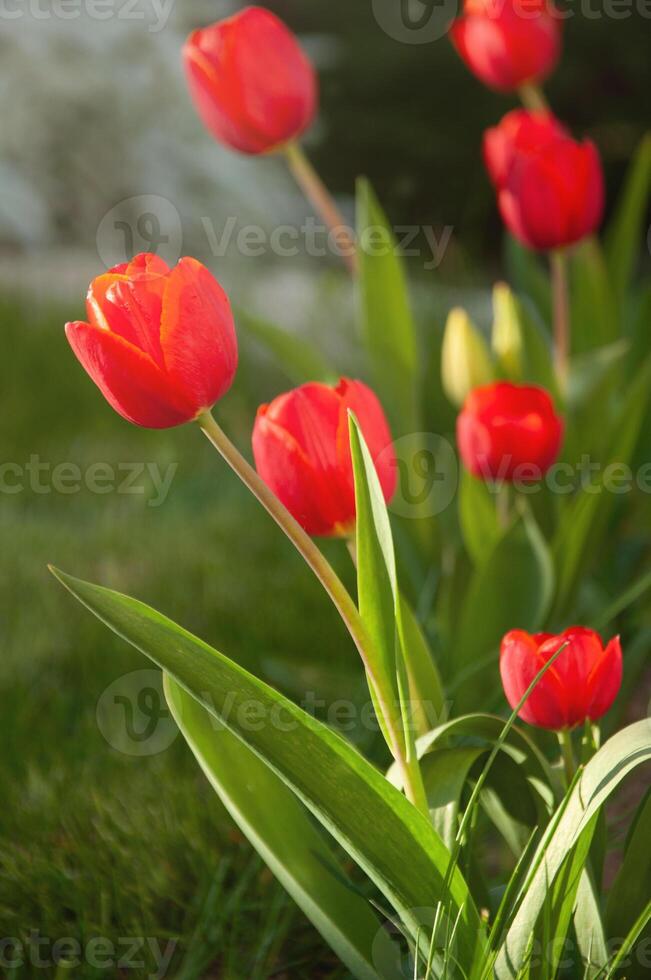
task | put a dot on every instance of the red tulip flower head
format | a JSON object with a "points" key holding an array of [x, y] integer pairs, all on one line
{"points": [[509, 432], [519, 132], [159, 344], [553, 196], [508, 43], [302, 452], [251, 83], [580, 685]]}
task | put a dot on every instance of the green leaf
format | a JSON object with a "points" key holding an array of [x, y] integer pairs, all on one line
{"points": [[596, 783], [449, 752], [393, 844], [512, 589], [630, 892], [299, 359], [425, 685], [478, 517], [560, 902], [278, 827], [528, 274], [387, 324], [584, 523], [593, 308], [624, 236], [405, 665]]}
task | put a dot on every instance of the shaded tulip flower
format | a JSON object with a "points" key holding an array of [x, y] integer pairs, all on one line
{"points": [[251, 83], [554, 196], [519, 132], [581, 684], [160, 344], [508, 43], [509, 432], [302, 452]]}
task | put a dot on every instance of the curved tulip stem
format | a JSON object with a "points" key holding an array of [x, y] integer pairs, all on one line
{"points": [[569, 762], [532, 98], [560, 290], [321, 200], [333, 586]]}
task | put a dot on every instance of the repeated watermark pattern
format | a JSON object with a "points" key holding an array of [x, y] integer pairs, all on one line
{"points": [[426, 21], [153, 15], [148, 480], [116, 955], [133, 717], [151, 223]]}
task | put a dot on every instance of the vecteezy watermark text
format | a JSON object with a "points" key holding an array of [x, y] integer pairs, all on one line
{"points": [[154, 13], [41, 477], [151, 223], [99, 953]]}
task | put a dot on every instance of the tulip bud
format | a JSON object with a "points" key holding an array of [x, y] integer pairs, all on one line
{"points": [[508, 43], [519, 132], [581, 684], [160, 344], [509, 432], [302, 452], [507, 331], [554, 196], [465, 360], [251, 83]]}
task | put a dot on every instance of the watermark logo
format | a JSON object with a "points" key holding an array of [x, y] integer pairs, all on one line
{"points": [[415, 21], [144, 223], [428, 475], [133, 716]]}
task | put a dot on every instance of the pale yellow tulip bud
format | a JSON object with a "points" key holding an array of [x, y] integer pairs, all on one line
{"points": [[507, 331], [465, 358]]}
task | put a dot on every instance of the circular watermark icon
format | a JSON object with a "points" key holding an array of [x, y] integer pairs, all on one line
{"points": [[428, 475], [133, 716], [415, 21], [145, 223]]}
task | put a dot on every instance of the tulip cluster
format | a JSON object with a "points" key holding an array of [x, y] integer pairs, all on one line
{"points": [[549, 187], [160, 343]]}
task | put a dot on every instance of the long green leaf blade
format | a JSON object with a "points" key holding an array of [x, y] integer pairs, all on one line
{"points": [[396, 846], [278, 827]]}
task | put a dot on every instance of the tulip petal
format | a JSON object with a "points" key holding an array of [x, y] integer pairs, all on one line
{"points": [[358, 398], [287, 470], [605, 680], [129, 379], [520, 662], [129, 302], [197, 334]]}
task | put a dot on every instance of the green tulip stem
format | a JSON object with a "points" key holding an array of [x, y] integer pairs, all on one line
{"points": [[321, 200], [532, 98], [335, 589], [560, 291], [567, 752]]}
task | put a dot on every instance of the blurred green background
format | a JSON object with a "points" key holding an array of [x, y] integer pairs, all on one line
{"points": [[93, 841]]}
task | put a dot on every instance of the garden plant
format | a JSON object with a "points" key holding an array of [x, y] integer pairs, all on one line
{"points": [[483, 848]]}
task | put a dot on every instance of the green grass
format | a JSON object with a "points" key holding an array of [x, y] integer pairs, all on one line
{"points": [[95, 842]]}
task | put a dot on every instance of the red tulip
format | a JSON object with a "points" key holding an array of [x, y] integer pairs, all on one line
{"points": [[518, 133], [509, 432], [159, 344], [302, 452], [555, 196], [251, 83], [508, 43], [581, 684]]}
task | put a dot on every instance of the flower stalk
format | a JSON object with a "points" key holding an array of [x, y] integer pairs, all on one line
{"points": [[335, 588], [322, 201], [562, 325]]}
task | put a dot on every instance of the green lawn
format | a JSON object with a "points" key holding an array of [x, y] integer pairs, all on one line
{"points": [[95, 842]]}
